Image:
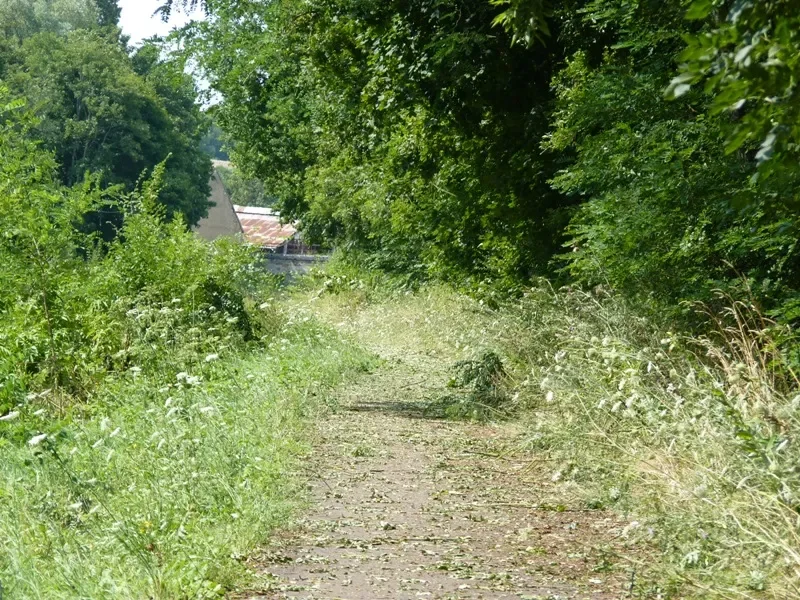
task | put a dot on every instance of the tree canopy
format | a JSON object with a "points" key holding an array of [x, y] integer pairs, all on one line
{"points": [[104, 108]]}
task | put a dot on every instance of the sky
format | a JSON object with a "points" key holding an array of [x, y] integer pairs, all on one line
{"points": [[138, 21]]}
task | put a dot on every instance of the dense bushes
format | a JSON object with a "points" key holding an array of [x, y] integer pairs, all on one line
{"points": [[74, 307]]}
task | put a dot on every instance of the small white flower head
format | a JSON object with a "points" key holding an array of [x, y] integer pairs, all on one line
{"points": [[163, 390], [172, 411], [182, 376], [37, 439], [105, 424], [556, 476], [39, 413], [176, 300], [168, 402], [76, 506], [97, 444], [115, 433], [666, 342], [550, 396], [212, 358], [207, 410], [194, 380], [10, 416], [264, 306], [135, 371]]}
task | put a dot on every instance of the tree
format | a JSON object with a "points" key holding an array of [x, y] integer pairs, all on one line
{"points": [[408, 129], [102, 112]]}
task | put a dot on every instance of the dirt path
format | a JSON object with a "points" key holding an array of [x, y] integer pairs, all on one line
{"points": [[404, 506]]}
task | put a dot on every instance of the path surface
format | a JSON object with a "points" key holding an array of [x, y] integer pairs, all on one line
{"points": [[404, 507]]}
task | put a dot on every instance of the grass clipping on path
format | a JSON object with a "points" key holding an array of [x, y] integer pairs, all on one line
{"points": [[159, 485], [694, 439]]}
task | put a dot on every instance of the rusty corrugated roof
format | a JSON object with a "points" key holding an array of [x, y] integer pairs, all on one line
{"points": [[262, 226]]}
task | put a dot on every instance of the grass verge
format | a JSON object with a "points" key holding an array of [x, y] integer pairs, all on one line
{"points": [[161, 482]]}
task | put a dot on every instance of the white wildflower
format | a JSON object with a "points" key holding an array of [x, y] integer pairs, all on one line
{"points": [[105, 424], [98, 443], [73, 451], [181, 376], [76, 506], [194, 380], [115, 433], [109, 455], [161, 444], [212, 358], [135, 370], [10, 416], [176, 300], [616, 407], [550, 396], [264, 306], [666, 342], [168, 402], [556, 476], [207, 410], [172, 411], [37, 439], [163, 390]]}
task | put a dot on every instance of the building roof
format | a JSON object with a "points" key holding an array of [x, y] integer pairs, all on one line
{"points": [[262, 226]]}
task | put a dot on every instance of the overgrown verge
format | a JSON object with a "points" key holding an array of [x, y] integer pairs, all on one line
{"points": [[152, 393], [160, 485], [693, 438]]}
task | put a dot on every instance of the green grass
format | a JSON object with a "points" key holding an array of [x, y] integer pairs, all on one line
{"points": [[158, 485]]}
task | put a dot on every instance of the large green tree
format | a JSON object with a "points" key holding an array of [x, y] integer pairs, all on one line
{"points": [[408, 129]]}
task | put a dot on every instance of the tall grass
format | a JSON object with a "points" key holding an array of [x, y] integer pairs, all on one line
{"points": [[162, 482], [695, 437]]}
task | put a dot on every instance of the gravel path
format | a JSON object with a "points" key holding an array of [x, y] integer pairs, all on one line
{"points": [[403, 506]]}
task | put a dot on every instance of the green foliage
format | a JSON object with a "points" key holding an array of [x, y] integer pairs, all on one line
{"points": [[480, 386], [104, 111], [749, 59], [408, 130], [169, 478], [244, 191], [75, 308], [669, 213]]}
